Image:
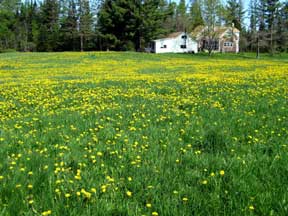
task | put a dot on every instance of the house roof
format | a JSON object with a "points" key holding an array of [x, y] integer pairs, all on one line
{"points": [[174, 35], [171, 35], [219, 31], [197, 31]]}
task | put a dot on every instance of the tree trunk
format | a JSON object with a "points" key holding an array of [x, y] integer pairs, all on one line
{"points": [[210, 47], [81, 42], [271, 41], [258, 49]]}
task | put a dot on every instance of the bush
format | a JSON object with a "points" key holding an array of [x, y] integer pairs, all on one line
{"points": [[7, 50]]}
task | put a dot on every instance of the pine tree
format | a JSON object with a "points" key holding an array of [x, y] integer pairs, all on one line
{"points": [[271, 10], [68, 30], [169, 22], [181, 16], [195, 16], [49, 26], [85, 23], [8, 12], [129, 24], [281, 38], [234, 13]]}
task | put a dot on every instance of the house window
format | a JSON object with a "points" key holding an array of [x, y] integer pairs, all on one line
{"points": [[164, 46], [213, 45], [183, 46], [228, 44]]}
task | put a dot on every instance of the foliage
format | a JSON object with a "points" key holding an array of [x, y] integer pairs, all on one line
{"points": [[196, 18], [268, 26], [235, 14], [212, 15], [78, 25], [125, 21]]}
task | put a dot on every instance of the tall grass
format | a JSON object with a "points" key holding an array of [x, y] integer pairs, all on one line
{"points": [[141, 134]]}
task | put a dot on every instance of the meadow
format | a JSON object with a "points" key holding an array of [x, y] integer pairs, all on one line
{"points": [[142, 134]]}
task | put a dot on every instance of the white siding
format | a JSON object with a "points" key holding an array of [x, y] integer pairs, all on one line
{"points": [[173, 45], [237, 42]]}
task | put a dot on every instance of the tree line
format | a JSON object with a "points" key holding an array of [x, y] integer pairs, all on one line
{"points": [[78, 25]]}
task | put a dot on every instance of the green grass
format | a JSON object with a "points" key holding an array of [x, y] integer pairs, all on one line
{"points": [[160, 126]]}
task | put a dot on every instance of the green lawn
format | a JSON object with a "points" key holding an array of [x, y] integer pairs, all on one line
{"points": [[143, 134]]}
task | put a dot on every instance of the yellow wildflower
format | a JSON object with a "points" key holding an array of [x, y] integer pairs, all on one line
{"points": [[185, 199], [46, 213], [204, 182], [129, 193]]}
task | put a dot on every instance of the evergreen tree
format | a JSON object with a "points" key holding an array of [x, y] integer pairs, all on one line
{"points": [[271, 10], [234, 13], [129, 24], [58, 25], [85, 23], [8, 12], [68, 29], [169, 23], [282, 29], [49, 26], [195, 18], [181, 16], [27, 19]]}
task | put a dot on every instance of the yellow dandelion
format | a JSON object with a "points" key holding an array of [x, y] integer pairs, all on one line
{"points": [[148, 205], [77, 177], [46, 213], [155, 214], [204, 182], [185, 199], [222, 172], [129, 193]]}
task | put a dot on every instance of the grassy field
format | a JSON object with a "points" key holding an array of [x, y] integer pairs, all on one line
{"points": [[143, 134]]}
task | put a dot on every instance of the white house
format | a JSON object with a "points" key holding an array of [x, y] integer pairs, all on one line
{"points": [[178, 42]]}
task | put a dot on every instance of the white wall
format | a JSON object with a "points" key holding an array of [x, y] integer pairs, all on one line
{"points": [[173, 45], [237, 42]]}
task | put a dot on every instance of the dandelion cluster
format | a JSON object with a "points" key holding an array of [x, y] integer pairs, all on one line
{"points": [[138, 134]]}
